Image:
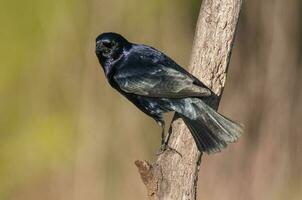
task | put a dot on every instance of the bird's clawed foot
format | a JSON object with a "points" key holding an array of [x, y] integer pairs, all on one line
{"points": [[166, 147]]}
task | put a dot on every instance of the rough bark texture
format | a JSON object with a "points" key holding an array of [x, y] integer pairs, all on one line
{"points": [[172, 176]]}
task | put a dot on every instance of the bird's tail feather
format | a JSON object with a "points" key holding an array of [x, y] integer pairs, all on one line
{"points": [[210, 130]]}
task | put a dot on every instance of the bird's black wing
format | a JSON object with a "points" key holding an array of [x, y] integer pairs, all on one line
{"points": [[155, 79]]}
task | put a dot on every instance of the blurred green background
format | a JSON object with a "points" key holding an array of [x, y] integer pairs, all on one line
{"points": [[66, 135]]}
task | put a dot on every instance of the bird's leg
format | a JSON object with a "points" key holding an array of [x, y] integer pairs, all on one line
{"points": [[167, 138], [163, 133], [161, 123], [164, 140]]}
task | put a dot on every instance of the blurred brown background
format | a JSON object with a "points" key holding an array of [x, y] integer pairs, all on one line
{"points": [[66, 135]]}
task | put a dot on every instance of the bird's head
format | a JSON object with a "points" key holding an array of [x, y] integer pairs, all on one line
{"points": [[110, 47]]}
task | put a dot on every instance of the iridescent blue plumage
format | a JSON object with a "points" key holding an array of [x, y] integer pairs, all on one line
{"points": [[156, 84]]}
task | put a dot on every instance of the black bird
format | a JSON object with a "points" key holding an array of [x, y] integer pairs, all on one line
{"points": [[156, 84]]}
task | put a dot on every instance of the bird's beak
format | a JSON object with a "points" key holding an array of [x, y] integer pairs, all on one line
{"points": [[98, 46]]}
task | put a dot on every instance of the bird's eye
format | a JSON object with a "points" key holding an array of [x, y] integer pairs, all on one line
{"points": [[107, 44]]}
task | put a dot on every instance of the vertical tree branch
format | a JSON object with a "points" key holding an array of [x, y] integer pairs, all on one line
{"points": [[173, 176]]}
